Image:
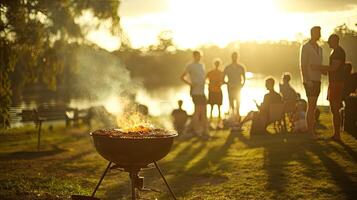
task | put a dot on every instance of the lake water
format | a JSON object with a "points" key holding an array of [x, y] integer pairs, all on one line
{"points": [[163, 101]]}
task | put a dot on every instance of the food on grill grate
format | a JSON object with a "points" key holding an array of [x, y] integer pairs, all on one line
{"points": [[135, 132]]}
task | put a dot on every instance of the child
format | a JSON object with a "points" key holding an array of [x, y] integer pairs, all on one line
{"points": [[299, 118]]}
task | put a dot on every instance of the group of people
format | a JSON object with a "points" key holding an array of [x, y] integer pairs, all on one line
{"points": [[195, 76], [311, 57]]}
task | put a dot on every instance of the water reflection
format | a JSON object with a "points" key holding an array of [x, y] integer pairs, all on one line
{"points": [[163, 101]]}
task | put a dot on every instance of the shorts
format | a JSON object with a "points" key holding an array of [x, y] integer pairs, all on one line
{"points": [[314, 90], [215, 98], [335, 91], [199, 99], [233, 92]]}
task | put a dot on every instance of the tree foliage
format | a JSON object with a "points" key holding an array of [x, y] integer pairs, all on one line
{"points": [[35, 38], [348, 40]]}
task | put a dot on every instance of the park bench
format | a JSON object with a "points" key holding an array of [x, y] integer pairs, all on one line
{"points": [[47, 113]]}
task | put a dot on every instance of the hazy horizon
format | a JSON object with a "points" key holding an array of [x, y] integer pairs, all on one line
{"points": [[198, 22]]}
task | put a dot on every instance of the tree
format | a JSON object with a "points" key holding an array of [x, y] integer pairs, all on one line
{"points": [[165, 43], [348, 40], [32, 32]]}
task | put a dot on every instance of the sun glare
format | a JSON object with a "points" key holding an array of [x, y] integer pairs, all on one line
{"points": [[214, 22], [224, 21]]}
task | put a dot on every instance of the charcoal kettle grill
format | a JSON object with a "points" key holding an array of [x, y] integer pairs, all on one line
{"points": [[132, 154]]}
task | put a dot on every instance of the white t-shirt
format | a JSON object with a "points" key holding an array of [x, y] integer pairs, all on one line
{"points": [[197, 76], [310, 56]]}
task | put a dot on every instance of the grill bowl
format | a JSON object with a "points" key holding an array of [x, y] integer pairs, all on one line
{"points": [[133, 151]]}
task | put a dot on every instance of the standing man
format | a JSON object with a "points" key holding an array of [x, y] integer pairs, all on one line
{"points": [[336, 75], [311, 54], [196, 80], [216, 79], [235, 73]]}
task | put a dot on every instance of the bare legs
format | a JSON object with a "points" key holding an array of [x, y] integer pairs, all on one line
{"points": [[200, 116], [238, 108], [211, 113], [310, 114], [234, 102], [336, 118], [231, 105], [219, 112]]}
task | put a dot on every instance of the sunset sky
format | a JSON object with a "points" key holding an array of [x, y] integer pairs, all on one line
{"points": [[219, 22]]}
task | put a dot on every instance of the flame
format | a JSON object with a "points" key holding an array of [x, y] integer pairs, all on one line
{"points": [[134, 122], [141, 129]]}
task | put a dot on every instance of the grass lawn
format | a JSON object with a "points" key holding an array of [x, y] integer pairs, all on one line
{"points": [[227, 166]]}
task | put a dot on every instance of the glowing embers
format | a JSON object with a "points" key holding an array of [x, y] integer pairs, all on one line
{"points": [[135, 132]]}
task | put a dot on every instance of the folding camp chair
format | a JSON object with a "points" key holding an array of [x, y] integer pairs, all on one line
{"points": [[277, 117]]}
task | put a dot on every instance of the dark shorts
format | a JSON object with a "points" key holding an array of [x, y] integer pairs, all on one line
{"points": [[335, 91], [314, 90], [199, 99], [215, 98]]}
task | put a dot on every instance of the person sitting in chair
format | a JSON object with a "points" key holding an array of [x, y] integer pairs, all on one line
{"points": [[286, 90], [261, 118], [289, 95]]}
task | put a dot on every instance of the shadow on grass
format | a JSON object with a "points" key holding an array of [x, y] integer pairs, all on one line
{"points": [[353, 133], [183, 181], [277, 152], [122, 190], [31, 155], [338, 174], [346, 151], [281, 149]]}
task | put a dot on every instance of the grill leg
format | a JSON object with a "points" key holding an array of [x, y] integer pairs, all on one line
{"points": [[163, 178], [132, 179], [101, 179]]}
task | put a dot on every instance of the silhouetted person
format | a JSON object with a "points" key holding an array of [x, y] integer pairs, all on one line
{"points": [[235, 73], [261, 118], [350, 82], [196, 81], [179, 117], [311, 54], [216, 79], [350, 99], [286, 90], [289, 96], [336, 75]]}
